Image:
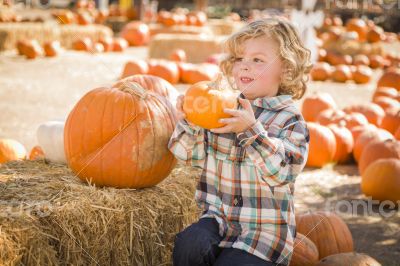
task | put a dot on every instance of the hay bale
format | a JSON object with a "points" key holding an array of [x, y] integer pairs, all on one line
{"points": [[224, 27], [197, 48], [49, 217], [178, 29], [10, 33]]}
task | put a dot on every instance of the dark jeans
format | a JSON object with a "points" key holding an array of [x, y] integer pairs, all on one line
{"points": [[197, 245]]}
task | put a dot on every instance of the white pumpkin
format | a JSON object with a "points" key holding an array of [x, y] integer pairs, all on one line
{"points": [[50, 136]]}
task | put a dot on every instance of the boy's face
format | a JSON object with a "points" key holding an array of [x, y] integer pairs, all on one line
{"points": [[257, 71]]}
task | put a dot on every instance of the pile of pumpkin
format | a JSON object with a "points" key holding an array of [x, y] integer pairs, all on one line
{"points": [[174, 70], [85, 13], [345, 55], [368, 132], [323, 238], [182, 16]]}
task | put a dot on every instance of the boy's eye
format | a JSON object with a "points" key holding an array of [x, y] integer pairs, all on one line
{"points": [[238, 59], [258, 60]]}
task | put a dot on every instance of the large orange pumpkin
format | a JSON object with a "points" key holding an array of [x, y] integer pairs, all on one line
{"points": [[367, 137], [167, 70], [313, 105], [205, 101], [344, 143], [328, 232], [118, 137], [322, 145], [347, 259], [390, 78], [373, 112], [381, 180], [11, 150], [305, 252], [135, 67], [136, 33], [397, 133], [376, 150]]}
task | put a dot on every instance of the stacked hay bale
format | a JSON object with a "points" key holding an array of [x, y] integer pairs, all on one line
{"points": [[49, 217], [10, 33], [197, 47]]}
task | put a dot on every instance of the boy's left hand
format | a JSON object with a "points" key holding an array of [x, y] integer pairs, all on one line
{"points": [[240, 121]]}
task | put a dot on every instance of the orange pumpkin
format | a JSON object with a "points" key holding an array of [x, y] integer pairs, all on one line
{"points": [[313, 105], [178, 55], [322, 146], [322, 55], [135, 67], [167, 70], [11, 150], [341, 73], [337, 59], [305, 252], [107, 43], [362, 74], [357, 130], [359, 26], [84, 44], [376, 34], [391, 120], [119, 44], [361, 59], [397, 134], [321, 71], [36, 153], [355, 119], [376, 61], [376, 150], [328, 232], [373, 112], [385, 91], [367, 137], [205, 101], [390, 78], [136, 33], [84, 18], [131, 151], [386, 103], [349, 258], [52, 48], [64, 16], [337, 21], [344, 143], [381, 179], [330, 116], [21, 45], [32, 49], [192, 74]]}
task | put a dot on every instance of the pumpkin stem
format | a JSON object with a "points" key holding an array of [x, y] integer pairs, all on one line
{"points": [[216, 84], [134, 88]]}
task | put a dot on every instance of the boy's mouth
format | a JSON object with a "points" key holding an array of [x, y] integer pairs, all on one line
{"points": [[246, 79]]}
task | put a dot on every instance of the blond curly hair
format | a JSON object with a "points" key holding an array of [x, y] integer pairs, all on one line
{"points": [[295, 57]]}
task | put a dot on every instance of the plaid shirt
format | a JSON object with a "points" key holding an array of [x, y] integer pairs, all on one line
{"points": [[247, 182]]}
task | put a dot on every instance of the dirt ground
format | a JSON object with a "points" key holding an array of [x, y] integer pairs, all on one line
{"points": [[32, 92]]}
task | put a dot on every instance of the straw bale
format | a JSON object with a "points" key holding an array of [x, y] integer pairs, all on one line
{"points": [[10, 33], [49, 217], [178, 29], [224, 27], [197, 48]]}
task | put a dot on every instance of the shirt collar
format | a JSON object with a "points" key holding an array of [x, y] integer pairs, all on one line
{"points": [[271, 103]]}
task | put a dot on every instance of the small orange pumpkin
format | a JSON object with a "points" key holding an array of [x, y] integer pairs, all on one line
{"points": [[192, 73], [313, 105], [36, 153], [330, 116], [32, 49], [361, 59], [367, 137], [119, 45], [373, 112], [304, 252], [84, 44], [136, 33], [205, 101], [391, 78], [178, 55], [359, 26], [167, 70], [391, 120], [341, 73], [381, 179], [52, 48], [362, 74], [321, 71], [376, 61], [322, 147], [376, 150], [385, 91], [107, 43], [11, 150], [386, 103], [376, 34], [134, 68], [344, 143], [358, 130], [355, 119]]}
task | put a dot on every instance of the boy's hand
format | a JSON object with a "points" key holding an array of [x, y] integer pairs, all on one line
{"points": [[240, 121]]}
